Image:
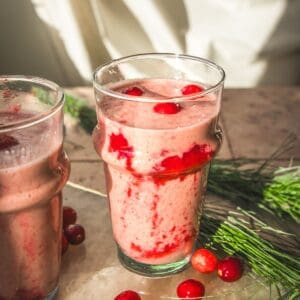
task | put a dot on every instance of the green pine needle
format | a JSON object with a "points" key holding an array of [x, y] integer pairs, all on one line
{"points": [[282, 194], [235, 236], [74, 106], [77, 108], [276, 190]]}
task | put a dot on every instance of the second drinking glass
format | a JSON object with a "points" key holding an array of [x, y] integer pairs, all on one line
{"points": [[33, 170]]}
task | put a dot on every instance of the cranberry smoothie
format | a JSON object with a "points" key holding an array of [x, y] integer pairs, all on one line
{"points": [[33, 170], [156, 158]]}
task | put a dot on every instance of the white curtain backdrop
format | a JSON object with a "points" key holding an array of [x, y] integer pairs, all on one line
{"points": [[255, 41]]}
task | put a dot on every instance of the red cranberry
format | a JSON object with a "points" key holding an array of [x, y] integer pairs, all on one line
{"points": [[191, 288], [204, 261], [69, 216], [128, 295], [133, 91], [7, 141], [167, 108], [191, 89], [230, 269], [75, 234], [64, 244]]}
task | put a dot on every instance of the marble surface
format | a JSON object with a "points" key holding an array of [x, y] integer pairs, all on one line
{"points": [[255, 122]]}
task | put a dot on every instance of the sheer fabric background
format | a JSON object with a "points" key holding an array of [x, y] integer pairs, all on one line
{"points": [[255, 41]]}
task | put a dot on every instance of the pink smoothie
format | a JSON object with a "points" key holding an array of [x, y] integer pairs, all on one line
{"points": [[156, 166], [33, 170]]}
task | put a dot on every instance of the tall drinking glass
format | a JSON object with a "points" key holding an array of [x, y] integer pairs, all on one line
{"points": [[157, 133], [33, 171]]}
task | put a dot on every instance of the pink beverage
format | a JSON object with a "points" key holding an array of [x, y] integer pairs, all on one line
{"points": [[33, 170], [157, 137]]}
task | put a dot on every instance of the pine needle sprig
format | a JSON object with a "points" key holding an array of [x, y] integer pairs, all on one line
{"points": [[259, 183], [236, 179], [234, 235], [282, 195], [74, 106], [78, 108]]}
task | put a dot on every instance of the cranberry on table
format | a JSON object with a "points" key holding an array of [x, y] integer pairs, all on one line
{"points": [[191, 89], [75, 234], [128, 295], [191, 288], [133, 91], [69, 216], [230, 269], [167, 108], [204, 261]]}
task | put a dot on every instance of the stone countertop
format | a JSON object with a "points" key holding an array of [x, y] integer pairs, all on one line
{"points": [[254, 121]]}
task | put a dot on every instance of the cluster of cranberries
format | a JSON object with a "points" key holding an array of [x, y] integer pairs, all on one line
{"points": [[203, 260], [73, 233], [167, 108]]}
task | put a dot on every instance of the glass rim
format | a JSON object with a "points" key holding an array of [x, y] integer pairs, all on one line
{"points": [[40, 117], [185, 98]]}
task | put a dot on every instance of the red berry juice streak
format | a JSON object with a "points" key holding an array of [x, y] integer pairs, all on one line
{"points": [[172, 165], [155, 218], [119, 144], [37, 245], [194, 158]]}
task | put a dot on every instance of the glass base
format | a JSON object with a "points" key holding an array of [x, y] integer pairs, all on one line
{"points": [[52, 295], [152, 270]]}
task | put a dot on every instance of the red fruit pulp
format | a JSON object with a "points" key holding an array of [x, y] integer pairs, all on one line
{"points": [[204, 261], [128, 295], [191, 288], [230, 269], [195, 157], [118, 143]]}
